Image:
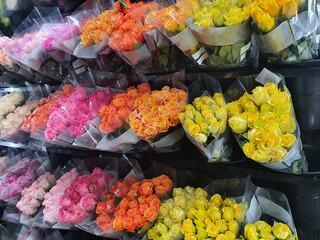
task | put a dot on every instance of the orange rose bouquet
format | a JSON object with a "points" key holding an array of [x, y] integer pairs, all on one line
{"points": [[114, 119], [108, 206], [155, 117], [140, 207]]}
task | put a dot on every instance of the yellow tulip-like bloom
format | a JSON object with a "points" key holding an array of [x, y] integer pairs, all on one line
{"points": [[269, 142], [152, 234], [177, 192], [201, 214], [288, 140], [272, 127], [238, 124], [267, 236], [170, 203], [175, 231], [260, 95], [204, 128], [163, 210], [272, 88], [177, 213], [265, 108], [221, 237], [281, 230], [255, 135], [245, 98], [250, 232], [264, 20], [201, 233], [252, 119], [188, 123], [290, 8], [236, 15], [190, 236], [228, 202], [261, 156], [234, 108], [214, 128], [263, 226], [222, 225], [212, 230], [215, 215], [188, 114], [189, 107], [287, 123], [230, 235], [194, 129], [201, 203], [218, 98], [180, 201], [221, 114], [161, 228], [200, 193], [270, 6], [249, 148], [227, 213], [168, 221], [207, 221], [216, 199], [200, 138], [269, 117], [284, 108], [233, 226], [188, 227], [251, 107], [198, 119]]}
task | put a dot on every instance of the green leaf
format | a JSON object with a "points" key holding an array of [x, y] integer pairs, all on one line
{"points": [[224, 51], [122, 5], [137, 45]]}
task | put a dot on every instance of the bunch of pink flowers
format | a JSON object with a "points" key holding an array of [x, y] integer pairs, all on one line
{"points": [[18, 180], [52, 198], [32, 197], [80, 199]]}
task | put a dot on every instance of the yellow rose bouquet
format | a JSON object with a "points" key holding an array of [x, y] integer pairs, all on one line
{"points": [[285, 29], [223, 27], [204, 120], [262, 230], [175, 27], [262, 118]]}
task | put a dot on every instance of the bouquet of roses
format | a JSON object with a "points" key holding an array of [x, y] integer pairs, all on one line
{"points": [[109, 204], [155, 114], [205, 120], [16, 180], [80, 199], [12, 123], [5, 61], [9, 102], [32, 197], [175, 27], [223, 27], [190, 215], [115, 117], [28, 41], [36, 121], [264, 122], [285, 31], [52, 198], [264, 230], [141, 204]]}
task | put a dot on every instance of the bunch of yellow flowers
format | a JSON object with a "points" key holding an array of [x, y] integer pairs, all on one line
{"points": [[205, 117], [262, 230], [174, 211], [266, 119], [215, 219], [176, 16], [265, 12], [221, 13]]}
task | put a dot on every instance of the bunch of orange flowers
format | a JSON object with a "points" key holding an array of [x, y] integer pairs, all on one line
{"points": [[142, 203], [37, 120], [156, 112], [120, 107], [109, 203]]}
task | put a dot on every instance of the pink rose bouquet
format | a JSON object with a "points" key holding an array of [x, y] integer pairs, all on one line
{"points": [[81, 198], [52, 198], [32, 197], [5, 60], [9, 102], [12, 123], [75, 111], [15, 181], [60, 33]]}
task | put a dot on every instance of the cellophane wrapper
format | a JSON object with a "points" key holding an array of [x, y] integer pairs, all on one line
{"points": [[155, 116], [286, 33], [117, 134], [254, 119], [5, 61], [212, 139], [224, 30]]}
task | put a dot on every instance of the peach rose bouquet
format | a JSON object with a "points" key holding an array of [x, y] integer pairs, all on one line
{"points": [[115, 118], [263, 121], [155, 116]]}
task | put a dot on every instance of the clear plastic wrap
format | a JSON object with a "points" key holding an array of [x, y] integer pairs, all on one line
{"points": [[28, 41], [285, 32], [5, 61], [204, 119], [223, 27], [263, 121], [155, 115]]}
